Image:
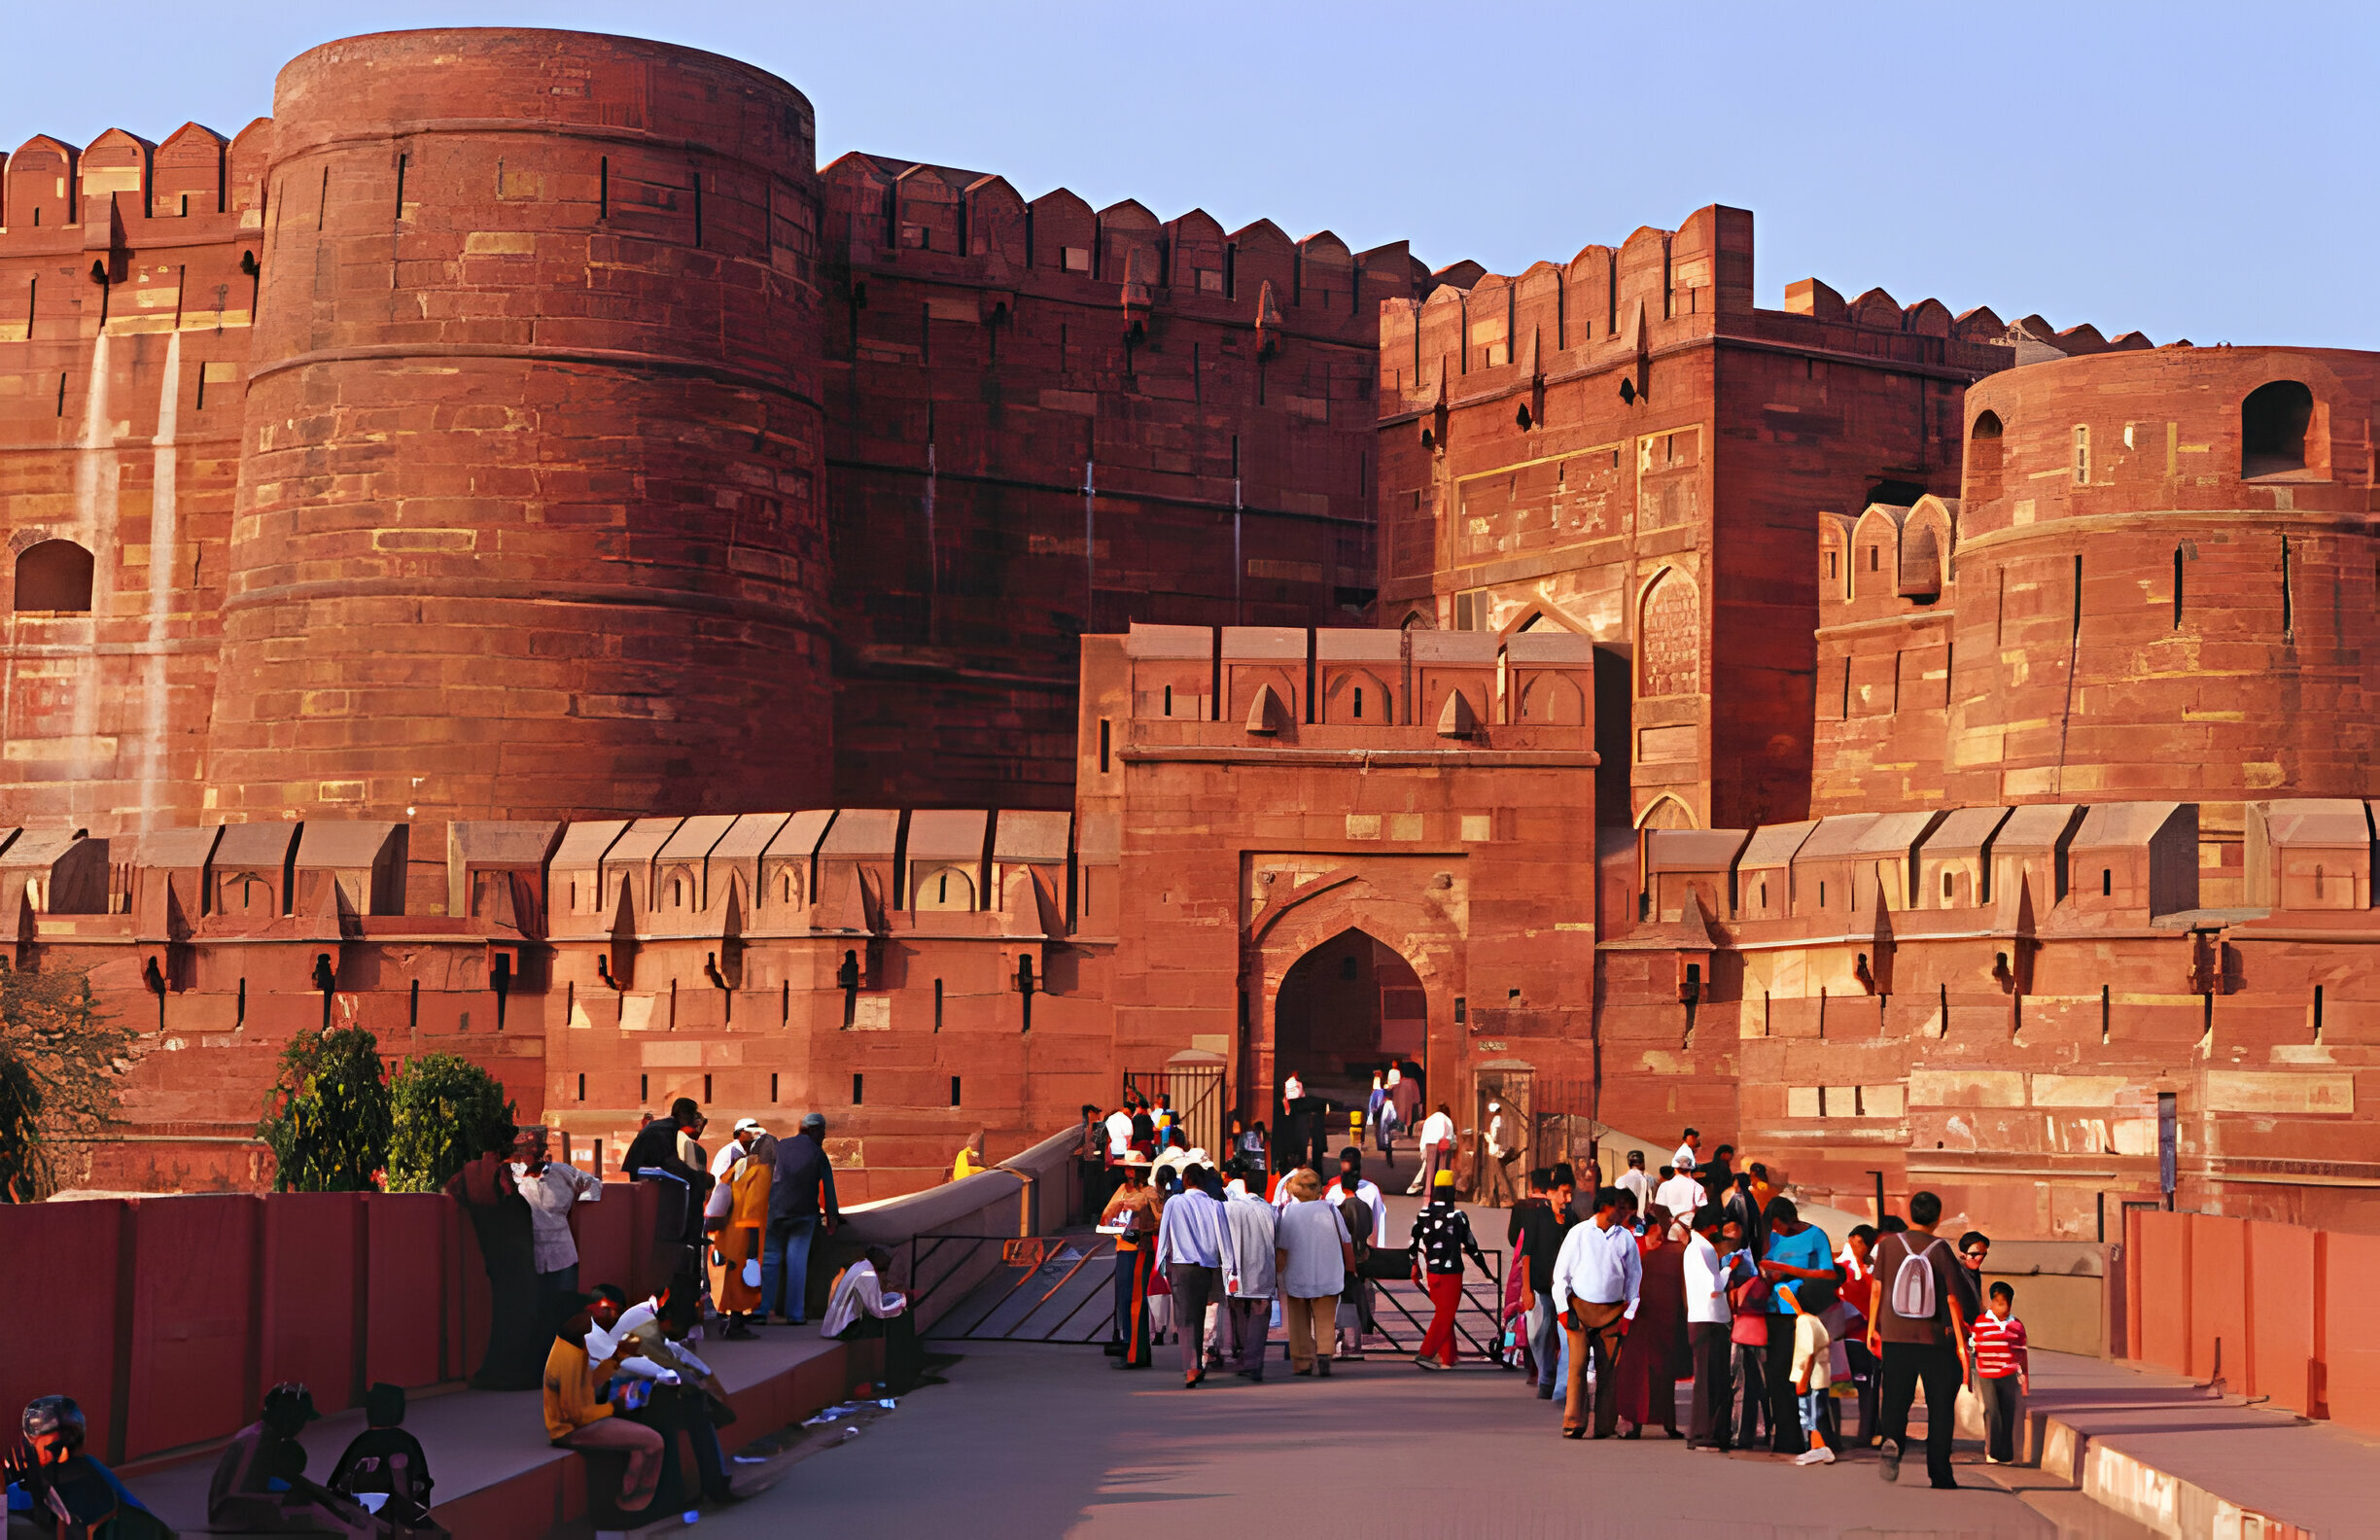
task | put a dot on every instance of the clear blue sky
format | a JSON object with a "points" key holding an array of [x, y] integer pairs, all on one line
{"points": [[2183, 170]]}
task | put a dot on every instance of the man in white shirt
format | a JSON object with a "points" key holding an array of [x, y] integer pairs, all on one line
{"points": [[1437, 1147], [735, 1149], [1119, 1133], [1635, 1182], [861, 1307], [1596, 1276], [1712, 1246], [1681, 1195], [1689, 1152], [1351, 1159], [551, 1190]]}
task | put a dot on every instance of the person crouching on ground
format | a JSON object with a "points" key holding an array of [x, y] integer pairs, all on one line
{"points": [[386, 1460], [260, 1485], [861, 1306]]}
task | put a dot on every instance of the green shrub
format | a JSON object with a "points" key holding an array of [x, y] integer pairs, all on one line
{"points": [[446, 1109], [327, 1116], [60, 1060]]}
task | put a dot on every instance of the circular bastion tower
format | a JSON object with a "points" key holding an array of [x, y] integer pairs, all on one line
{"points": [[2168, 582], [529, 521]]}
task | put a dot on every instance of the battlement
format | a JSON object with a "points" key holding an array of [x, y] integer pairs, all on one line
{"points": [[2042, 868], [49, 184], [1473, 333], [1281, 686], [973, 229]]}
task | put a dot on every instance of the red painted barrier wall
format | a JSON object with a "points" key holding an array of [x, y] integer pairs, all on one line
{"points": [[2290, 1304], [69, 1262], [410, 1250], [2281, 1321], [2348, 1339], [2161, 1263], [167, 1318], [193, 1343], [2218, 1295]]}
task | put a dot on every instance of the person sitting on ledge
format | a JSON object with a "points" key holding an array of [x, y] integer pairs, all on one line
{"points": [[583, 1403], [50, 1479], [385, 1461], [650, 1339], [861, 1306], [260, 1485]]}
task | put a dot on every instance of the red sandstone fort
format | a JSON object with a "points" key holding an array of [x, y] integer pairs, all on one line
{"points": [[507, 552]]}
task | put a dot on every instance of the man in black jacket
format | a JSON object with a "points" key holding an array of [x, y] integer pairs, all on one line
{"points": [[653, 1156], [1538, 1224], [801, 1200]]}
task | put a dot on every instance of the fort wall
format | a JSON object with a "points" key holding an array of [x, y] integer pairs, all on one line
{"points": [[126, 298], [1627, 448], [1045, 420]]}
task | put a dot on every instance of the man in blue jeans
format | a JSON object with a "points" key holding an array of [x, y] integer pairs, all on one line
{"points": [[802, 1199]]}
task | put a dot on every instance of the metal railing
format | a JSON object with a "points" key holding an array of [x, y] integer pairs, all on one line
{"points": [[1014, 1288]]}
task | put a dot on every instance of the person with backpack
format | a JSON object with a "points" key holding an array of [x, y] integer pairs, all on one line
{"points": [[1919, 1333]]}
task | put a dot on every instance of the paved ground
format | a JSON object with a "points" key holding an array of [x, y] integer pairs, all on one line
{"points": [[1043, 1442]]}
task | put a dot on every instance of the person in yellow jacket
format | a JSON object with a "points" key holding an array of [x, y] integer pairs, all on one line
{"points": [[970, 1158], [582, 1408], [736, 1246]]}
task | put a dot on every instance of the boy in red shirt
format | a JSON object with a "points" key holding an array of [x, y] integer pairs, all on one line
{"points": [[2002, 1373]]}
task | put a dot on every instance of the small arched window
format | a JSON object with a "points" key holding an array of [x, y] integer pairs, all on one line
{"points": [[1983, 447], [54, 575], [2273, 422]]}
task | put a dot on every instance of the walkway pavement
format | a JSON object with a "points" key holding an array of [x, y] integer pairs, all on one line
{"points": [[1033, 1443], [2157, 1450]]}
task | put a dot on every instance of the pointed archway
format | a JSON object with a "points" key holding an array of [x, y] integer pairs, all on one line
{"points": [[1350, 1005]]}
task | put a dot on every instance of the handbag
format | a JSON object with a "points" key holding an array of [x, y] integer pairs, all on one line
{"points": [[1748, 1302], [1386, 1265], [1159, 1285]]}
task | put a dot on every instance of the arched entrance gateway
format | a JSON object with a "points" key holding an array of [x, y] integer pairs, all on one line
{"points": [[1348, 1007], [1349, 969]]}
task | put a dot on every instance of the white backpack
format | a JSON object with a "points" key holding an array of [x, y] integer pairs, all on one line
{"points": [[1913, 1285]]}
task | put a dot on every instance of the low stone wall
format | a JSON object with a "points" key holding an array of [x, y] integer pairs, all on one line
{"points": [[1032, 1193]]}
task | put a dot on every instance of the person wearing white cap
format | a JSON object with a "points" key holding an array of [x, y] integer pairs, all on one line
{"points": [[735, 1149]]}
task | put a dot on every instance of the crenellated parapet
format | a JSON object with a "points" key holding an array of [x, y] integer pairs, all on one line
{"points": [[1126, 416]]}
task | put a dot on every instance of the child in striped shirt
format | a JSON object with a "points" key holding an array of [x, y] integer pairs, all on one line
{"points": [[2002, 1373]]}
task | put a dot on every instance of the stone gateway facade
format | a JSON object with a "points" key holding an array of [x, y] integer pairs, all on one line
{"points": [[509, 552]]}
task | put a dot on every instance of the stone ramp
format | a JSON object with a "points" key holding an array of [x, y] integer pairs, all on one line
{"points": [[498, 1478], [2155, 1455]]}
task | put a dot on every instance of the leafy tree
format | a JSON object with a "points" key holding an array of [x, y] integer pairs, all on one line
{"points": [[446, 1109], [61, 1062], [327, 1116]]}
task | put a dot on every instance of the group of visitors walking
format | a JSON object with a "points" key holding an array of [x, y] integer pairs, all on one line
{"points": [[1789, 1343], [1205, 1256]]}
